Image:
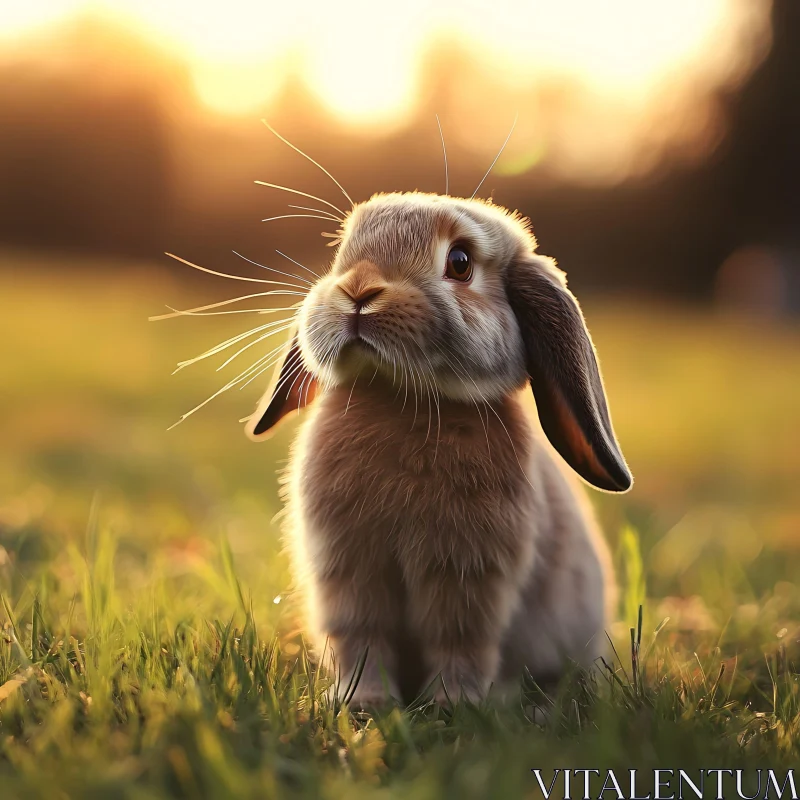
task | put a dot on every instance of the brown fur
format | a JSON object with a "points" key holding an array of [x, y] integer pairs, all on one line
{"points": [[383, 494], [428, 520]]}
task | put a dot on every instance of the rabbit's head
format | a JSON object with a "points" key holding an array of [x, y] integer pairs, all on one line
{"points": [[449, 295]]}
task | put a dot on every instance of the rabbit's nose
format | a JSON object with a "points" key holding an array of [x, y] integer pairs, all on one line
{"points": [[362, 295]]}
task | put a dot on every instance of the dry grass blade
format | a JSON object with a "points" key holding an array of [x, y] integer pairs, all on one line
{"points": [[12, 685]]}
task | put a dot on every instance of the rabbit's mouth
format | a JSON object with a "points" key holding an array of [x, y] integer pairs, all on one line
{"points": [[360, 329], [354, 324], [354, 356], [357, 346]]}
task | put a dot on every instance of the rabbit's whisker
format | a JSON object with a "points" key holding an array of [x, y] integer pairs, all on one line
{"points": [[411, 373], [430, 414], [405, 384], [281, 324], [216, 349], [432, 390], [261, 338], [490, 407], [253, 371], [303, 266], [298, 216], [300, 391], [228, 275], [260, 371], [199, 406], [260, 367], [192, 312], [216, 394], [416, 395], [513, 449], [205, 402], [307, 282], [444, 152], [319, 211], [224, 313], [314, 324], [302, 194], [500, 152], [461, 373], [260, 364], [296, 371], [298, 366], [350, 396], [308, 389], [315, 163]]}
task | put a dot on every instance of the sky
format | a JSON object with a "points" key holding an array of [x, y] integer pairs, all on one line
{"points": [[602, 89]]}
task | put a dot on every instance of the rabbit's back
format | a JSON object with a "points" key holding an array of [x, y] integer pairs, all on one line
{"points": [[570, 593]]}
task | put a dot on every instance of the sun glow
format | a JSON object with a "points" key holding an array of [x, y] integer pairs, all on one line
{"points": [[590, 79], [360, 57]]}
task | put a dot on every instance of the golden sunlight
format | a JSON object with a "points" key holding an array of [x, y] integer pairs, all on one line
{"points": [[360, 57], [601, 87]]}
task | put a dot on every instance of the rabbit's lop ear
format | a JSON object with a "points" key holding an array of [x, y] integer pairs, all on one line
{"points": [[564, 375], [292, 388]]}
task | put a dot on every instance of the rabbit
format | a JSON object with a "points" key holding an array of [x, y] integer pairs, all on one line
{"points": [[430, 526]]}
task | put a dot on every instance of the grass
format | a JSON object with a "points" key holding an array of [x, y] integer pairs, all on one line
{"points": [[149, 647]]}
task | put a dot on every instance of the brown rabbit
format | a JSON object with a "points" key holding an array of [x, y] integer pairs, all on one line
{"points": [[428, 520]]}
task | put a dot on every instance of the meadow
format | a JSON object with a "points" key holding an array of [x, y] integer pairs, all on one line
{"points": [[149, 647]]}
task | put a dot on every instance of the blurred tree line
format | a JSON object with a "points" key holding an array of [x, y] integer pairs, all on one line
{"points": [[109, 153]]}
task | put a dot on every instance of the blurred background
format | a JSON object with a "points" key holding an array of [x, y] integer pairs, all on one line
{"points": [[656, 151]]}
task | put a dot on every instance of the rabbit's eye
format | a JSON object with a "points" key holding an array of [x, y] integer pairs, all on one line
{"points": [[459, 264]]}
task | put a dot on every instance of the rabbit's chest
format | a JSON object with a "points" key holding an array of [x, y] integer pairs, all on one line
{"points": [[441, 485]]}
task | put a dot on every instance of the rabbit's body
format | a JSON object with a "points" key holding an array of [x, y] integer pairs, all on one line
{"points": [[428, 520], [446, 541]]}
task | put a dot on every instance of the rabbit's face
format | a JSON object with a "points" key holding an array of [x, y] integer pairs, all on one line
{"points": [[444, 295], [417, 294]]}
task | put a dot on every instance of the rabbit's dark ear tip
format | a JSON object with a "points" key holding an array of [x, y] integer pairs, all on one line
{"points": [[262, 426], [609, 474], [617, 480], [259, 428], [624, 485]]}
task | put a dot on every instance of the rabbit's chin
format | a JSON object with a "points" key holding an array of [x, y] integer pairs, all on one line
{"points": [[360, 362], [357, 357]]}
